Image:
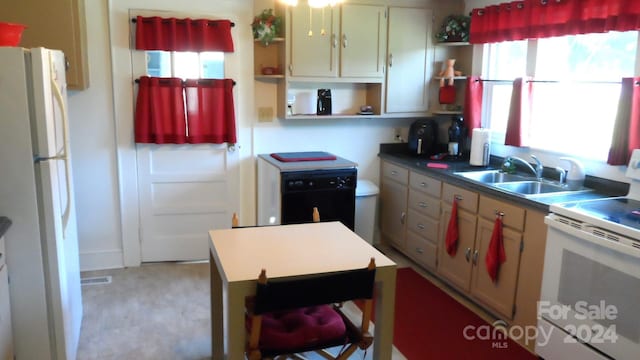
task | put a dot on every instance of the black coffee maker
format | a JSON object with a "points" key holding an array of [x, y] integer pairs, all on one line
{"points": [[324, 102]]}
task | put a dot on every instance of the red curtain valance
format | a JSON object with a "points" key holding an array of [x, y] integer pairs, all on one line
{"points": [[534, 19], [172, 111], [171, 34]]}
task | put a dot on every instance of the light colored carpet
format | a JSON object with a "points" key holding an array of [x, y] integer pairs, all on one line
{"points": [[156, 311]]}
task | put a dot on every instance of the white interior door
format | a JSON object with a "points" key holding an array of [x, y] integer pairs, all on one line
{"points": [[184, 191]]}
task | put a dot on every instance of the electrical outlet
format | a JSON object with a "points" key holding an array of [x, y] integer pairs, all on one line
{"points": [[265, 114]]}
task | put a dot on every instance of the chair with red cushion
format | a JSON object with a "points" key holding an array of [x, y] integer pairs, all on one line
{"points": [[293, 315]]}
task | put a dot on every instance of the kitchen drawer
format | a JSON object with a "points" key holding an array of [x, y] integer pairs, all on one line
{"points": [[424, 226], [424, 183], [422, 251], [424, 203], [467, 200], [395, 172], [513, 215]]}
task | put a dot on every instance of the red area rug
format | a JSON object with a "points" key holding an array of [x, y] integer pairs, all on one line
{"points": [[429, 324]]}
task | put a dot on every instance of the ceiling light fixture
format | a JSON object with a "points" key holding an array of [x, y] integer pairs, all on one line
{"points": [[315, 4]]}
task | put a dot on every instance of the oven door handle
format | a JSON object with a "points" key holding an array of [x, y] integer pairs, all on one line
{"points": [[552, 221]]}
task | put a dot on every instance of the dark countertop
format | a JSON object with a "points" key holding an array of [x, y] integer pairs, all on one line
{"points": [[5, 223], [399, 154]]}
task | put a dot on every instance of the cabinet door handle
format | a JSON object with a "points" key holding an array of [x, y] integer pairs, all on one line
{"points": [[420, 226], [475, 257], [423, 184], [467, 254], [394, 173], [334, 41], [344, 41], [402, 217], [458, 197], [419, 251], [422, 204], [390, 60]]}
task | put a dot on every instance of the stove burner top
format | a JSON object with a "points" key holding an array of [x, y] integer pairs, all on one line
{"points": [[623, 211]]}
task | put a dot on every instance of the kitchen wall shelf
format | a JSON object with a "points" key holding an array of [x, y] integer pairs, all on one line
{"points": [[269, 77], [275, 40], [335, 116]]}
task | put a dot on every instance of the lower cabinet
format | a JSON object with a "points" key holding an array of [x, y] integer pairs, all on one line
{"points": [[467, 269], [393, 204], [415, 213]]}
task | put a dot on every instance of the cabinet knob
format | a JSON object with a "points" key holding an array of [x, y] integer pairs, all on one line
{"points": [[394, 173], [334, 41], [420, 226], [419, 250], [67, 64], [467, 254], [402, 217], [423, 184], [475, 257]]}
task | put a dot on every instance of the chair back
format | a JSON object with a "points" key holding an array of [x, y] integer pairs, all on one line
{"points": [[336, 287]]}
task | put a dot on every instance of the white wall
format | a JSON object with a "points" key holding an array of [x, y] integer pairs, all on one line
{"points": [[93, 147]]}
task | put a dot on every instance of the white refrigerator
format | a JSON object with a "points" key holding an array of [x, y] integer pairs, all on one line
{"points": [[36, 193]]}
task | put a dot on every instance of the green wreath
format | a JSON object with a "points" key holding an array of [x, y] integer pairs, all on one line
{"points": [[266, 26]]}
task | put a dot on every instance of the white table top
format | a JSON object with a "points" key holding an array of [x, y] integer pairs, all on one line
{"points": [[287, 250]]}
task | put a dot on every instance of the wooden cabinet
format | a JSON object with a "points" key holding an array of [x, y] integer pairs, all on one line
{"points": [[409, 60], [314, 55], [423, 219], [467, 269], [352, 44], [6, 335], [457, 268], [55, 24], [393, 204], [499, 295]]}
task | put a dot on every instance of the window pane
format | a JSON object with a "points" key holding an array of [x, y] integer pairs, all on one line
{"points": [[602, 57], [577, 117], [158, 63], [212, 65], [505, 61], [186, 65]]}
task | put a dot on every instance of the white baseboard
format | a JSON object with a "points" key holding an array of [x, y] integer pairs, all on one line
{"points": [[101, 260]]}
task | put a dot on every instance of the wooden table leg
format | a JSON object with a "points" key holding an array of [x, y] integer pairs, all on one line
{"points": [[217, 312], [385, 305]]}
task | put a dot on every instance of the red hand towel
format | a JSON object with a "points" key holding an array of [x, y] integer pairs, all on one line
{"points": [[451, 239], [495, 253]]}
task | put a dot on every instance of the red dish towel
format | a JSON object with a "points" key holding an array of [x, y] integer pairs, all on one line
{"points": [[451, 239], [495, 253]]}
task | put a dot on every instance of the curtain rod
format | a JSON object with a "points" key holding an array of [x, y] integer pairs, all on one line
{"points": [[555, 81], [134, 20], [137, 81]]}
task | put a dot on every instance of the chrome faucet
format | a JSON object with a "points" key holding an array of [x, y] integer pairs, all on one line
{"points": [[537, 171]]}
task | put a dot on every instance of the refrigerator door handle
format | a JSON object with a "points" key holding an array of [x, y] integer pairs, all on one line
{"points": [[57, 93]]}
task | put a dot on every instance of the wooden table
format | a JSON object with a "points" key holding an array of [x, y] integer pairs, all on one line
{"points": [[238, 255]]}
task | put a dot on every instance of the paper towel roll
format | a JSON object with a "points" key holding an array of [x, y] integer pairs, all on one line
{"points": [[480, 147]]}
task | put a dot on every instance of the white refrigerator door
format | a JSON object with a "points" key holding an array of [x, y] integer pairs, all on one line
{"points": [[56, 205]]}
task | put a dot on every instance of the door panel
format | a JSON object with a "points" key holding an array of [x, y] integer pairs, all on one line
{"points": [[184, 191], [457, 268]]}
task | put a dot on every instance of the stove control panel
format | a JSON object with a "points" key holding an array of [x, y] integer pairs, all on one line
{"points": [[633, 170]]}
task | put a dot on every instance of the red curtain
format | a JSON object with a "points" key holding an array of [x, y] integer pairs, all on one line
{"points": [[519, 113], [534, 19], [210, 111], [160, 116], [473, 103], [626, 132], [171, 34]]}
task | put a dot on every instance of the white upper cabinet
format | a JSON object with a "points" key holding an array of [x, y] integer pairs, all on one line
{"points": [[312, 55], [352, 44], [362, 40], [409, 60]]}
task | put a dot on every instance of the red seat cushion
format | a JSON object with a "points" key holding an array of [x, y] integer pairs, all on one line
{"points": [[300, 328]]}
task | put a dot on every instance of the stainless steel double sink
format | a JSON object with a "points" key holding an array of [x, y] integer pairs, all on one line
{"points": [[520, 185]]}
